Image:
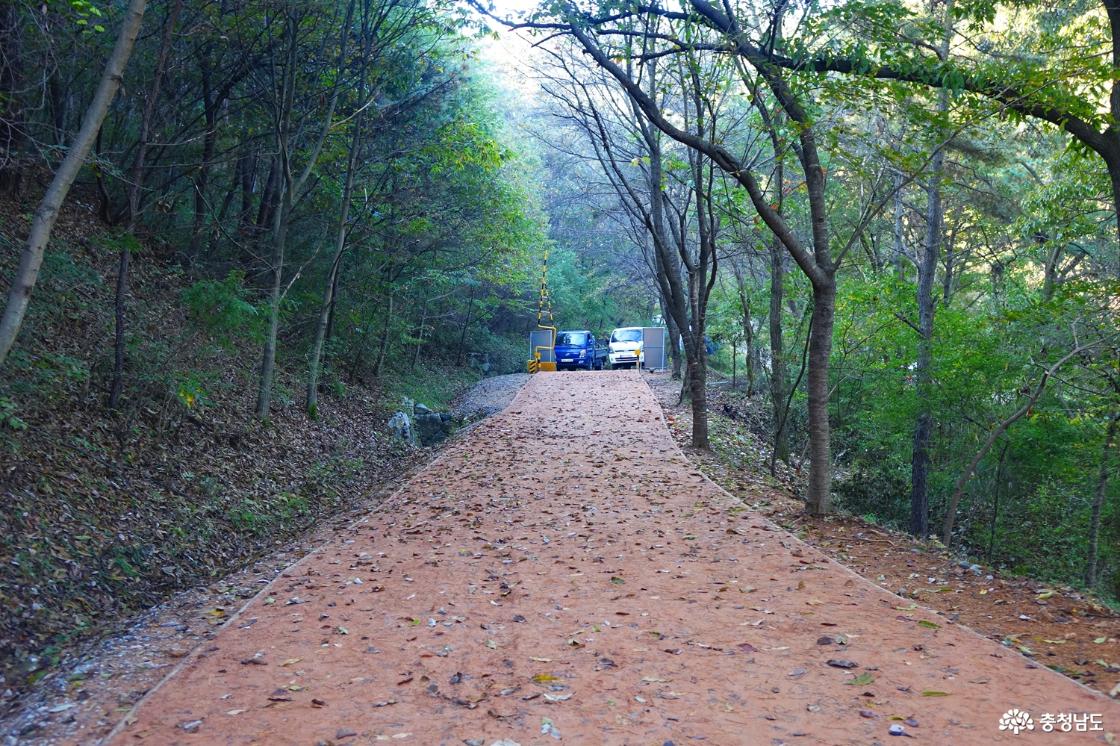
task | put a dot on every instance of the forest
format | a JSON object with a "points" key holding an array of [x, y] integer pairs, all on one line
{"points": [[236, 232]]}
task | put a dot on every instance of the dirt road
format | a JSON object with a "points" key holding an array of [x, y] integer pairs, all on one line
{"points": [[563, 574]]}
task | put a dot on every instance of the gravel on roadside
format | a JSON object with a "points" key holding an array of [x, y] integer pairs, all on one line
{"points": [[488, 396]]}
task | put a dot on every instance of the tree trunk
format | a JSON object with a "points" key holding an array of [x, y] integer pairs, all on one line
{"points": [[268, 352], [269, 197], [779, 375], [698, 395], [675, 345], [383, 346], [463, 333], [756, 364], [334, 304], [12, 62], [748, 360], [1098, 502], [119, 312], [923, 427], [315, 357], [995, 502], [134, 193], [949, 263], [748, 334], [316, 354], [420, 336], [291, 186], [734, 364], [47, 212], [820, 349], [202, 179], [899, 248], [1114, 179], [247, 164], [927, 268]]}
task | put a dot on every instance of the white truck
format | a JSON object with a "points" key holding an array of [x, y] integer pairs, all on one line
{"points": [[625, 347]]}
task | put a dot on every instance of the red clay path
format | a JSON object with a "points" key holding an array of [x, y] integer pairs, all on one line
{"points": [[564, 575]]}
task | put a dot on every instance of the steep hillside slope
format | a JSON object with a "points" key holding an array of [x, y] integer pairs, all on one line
{"points": [[108, 512]]}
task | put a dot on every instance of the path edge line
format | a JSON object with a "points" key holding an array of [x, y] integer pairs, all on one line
{"points": [[1099, 696], [129, 717]]}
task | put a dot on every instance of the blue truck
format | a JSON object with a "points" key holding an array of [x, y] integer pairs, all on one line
{"points": [[578, 349]]}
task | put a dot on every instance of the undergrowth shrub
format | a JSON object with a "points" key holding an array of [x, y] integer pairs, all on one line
{"points": [[223, 310]]}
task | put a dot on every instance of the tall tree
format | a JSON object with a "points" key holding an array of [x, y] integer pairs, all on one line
{"points": [[291, 187], [47, 213]]}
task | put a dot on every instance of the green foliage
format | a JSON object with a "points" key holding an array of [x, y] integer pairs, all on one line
{"points": [[114, 241], [8, 415], [259, 516], [84, 13], [189, 390], [434, 386], [587, 294], [222, 308], [1028, 507]]}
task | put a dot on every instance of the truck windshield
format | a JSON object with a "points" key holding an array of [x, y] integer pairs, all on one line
{"points": [[575, 339], [627, 335]]}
